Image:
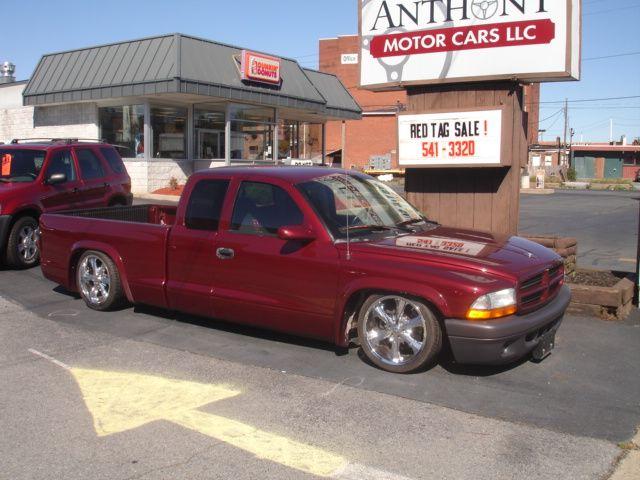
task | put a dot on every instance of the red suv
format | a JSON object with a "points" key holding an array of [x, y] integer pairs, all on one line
{"points": [[53, 175]]}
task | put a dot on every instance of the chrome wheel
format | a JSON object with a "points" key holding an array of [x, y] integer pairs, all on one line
{"points": [[94, 279], [395, 330], [28, 243]]}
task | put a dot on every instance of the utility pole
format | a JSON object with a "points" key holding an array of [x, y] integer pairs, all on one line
{"points": [[566, 128]]}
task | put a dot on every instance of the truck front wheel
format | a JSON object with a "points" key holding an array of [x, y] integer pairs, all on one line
{"points": [[98, 281], [399, 334]]}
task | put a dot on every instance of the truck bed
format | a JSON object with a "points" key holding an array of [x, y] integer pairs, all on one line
{"points": [[154, 214], [134, 237]]}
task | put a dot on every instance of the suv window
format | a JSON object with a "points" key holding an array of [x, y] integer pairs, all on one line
{"points": [[62, 162], [114, 160], [90, 165], [20, 165], [262, 208], [205, 205]]}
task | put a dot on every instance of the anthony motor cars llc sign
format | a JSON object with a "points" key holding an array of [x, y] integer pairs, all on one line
{"points": [[406, 42], [257, 67], [451, 139]]}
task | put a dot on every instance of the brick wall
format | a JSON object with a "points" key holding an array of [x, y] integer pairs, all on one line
{"points": [[373, 135]]}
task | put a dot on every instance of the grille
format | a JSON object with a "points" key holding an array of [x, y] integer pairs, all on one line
{"points": [[540, 289]]}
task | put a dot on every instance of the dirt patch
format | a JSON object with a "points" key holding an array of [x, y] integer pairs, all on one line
{"points": [[170, 191], [595, 278]]}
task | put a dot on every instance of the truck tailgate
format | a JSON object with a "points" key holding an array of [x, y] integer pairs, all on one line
{"points": [[138, 249]]}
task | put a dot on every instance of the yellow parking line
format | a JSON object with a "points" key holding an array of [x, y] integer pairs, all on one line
{"points": [[264, 445]]}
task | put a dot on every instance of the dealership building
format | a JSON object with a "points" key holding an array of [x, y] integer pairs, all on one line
{"points": [[176, 104]]}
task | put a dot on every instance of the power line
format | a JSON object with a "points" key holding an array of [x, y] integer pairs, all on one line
{"points": [[604, 99], [611, 56]]}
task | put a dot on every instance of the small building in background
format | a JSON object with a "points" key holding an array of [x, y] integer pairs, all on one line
{"points": [[606, 161], [174, 104]]}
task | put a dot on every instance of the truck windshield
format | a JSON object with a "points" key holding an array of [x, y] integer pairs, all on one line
{"points": [[357, 205], [20, 165]]}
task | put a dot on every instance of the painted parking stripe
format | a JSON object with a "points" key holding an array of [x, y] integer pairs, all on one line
{"points": [[122, 401]]}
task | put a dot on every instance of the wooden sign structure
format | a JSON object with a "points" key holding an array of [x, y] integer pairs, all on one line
{"points": [[466, 196], [464, 63]]}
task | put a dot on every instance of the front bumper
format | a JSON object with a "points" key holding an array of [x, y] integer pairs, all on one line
{"points": [[506, 340], [5, 223]]}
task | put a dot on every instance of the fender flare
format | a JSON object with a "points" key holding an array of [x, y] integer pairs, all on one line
{"points": [[84, 245], [381, 284]]}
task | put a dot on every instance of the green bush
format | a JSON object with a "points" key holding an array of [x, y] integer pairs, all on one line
{"points": [[613, 181], [572, 175]]}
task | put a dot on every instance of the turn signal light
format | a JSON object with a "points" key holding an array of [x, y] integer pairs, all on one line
{"points": [[474, 314]]}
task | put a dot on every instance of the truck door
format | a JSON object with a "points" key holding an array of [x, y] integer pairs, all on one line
{"points": [[191, 259], [264, 280], [62, 196], [93, 192]]}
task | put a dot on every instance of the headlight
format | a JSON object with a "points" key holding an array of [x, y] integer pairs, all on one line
{"points": [[494, 305]]}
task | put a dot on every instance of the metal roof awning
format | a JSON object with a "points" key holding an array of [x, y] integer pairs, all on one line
{"points": [[175, 64]]}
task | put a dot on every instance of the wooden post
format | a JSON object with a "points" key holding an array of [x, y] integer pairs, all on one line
{"points": [[481, 198]]}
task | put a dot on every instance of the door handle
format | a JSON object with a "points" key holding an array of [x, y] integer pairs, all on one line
{"points": [[75, 190], [225, 253]]}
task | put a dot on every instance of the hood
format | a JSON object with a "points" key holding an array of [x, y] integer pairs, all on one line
{"points": [[467, 248]]}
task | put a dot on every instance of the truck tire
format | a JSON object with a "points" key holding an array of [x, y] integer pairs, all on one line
{"points": [[22, 245], [98, 281], [399, 334]]}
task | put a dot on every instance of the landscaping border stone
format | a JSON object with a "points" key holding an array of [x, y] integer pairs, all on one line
{"points": [[607, 303]]}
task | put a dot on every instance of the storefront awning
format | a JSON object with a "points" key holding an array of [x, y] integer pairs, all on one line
{"points": [[175, 64]]}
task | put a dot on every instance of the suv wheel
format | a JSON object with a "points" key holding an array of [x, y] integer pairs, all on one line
{"points": [[22, 247], [98, 281], [399, 334]]}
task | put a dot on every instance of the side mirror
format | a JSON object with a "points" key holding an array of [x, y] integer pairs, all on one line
{"points": [[56, 179], [301, 233]]}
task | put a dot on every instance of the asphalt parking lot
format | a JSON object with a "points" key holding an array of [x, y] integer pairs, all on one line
{"points": [[158, 395], [605, 224]]}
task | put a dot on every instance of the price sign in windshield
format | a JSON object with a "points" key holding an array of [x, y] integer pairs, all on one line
{"points": [[450, 139], [6, 165]]}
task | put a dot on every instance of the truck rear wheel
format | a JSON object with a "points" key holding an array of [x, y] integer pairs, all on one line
{"points": [[22, 245], [399, 334], [98, 281]]}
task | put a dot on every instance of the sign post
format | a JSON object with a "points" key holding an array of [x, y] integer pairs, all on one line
{"points": [[464, 63]]}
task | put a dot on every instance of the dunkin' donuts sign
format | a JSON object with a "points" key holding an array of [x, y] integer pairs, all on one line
{"points": [[445, 41], [256, 67]]}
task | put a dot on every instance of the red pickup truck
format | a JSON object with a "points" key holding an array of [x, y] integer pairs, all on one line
{"points": [[321, 253], [53, 175]]}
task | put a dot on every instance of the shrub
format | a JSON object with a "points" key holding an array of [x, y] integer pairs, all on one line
{"points": [[173, 183], [572, 175]]}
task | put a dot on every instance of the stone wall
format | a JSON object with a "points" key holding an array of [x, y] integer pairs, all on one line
{"points": [[146, 177], [78, 120]]}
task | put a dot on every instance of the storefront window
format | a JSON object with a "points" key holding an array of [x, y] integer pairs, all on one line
{"points": [[311, 142], [288, 139], [169, 126], [252, 133], [123, 126], [209, 129]]}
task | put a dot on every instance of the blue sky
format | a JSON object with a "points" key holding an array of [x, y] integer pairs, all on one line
{"points": [[292, 28]]}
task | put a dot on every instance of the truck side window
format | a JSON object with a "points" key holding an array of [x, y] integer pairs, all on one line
{"points": [[205, 205], [90, 164], [62, 162], [262, 208]]}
